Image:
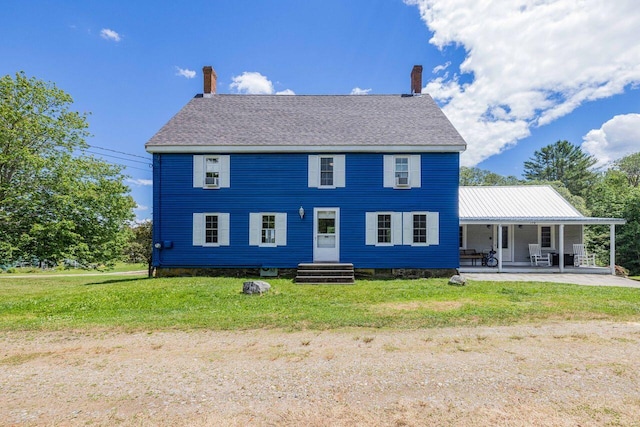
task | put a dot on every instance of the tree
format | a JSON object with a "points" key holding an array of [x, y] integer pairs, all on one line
{"points": [[139, 248], [477, 176], [562, 162], [630, 166], [56, 202]]}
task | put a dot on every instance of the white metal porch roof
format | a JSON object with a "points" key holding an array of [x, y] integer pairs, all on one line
{"points": [[534, 204]]}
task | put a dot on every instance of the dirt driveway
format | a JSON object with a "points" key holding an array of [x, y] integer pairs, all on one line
{"points": [[553, 374]]}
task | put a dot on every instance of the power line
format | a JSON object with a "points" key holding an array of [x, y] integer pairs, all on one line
{"points": [[121, 158], [119, 152]]}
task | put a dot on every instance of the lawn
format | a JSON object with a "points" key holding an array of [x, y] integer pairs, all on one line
{"points": [[136, 303]]}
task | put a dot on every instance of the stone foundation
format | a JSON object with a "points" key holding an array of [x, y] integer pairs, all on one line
{"points": [[290, 273]]}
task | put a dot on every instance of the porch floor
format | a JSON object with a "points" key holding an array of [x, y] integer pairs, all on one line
{"points": [[506, 269]]}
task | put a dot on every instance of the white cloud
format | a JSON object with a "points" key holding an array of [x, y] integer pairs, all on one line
{"points": [[108, 34], [141, 208], [254, 83], [140, 182], [185, 72], [358, 91], [528, 63], [615, 139]]}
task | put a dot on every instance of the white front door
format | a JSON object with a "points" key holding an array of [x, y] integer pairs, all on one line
{"points": [[326, 236], [507, 241]]}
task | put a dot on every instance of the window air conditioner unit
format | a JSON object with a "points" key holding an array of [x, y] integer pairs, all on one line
{"points": [[402, 181], [211, 182]]}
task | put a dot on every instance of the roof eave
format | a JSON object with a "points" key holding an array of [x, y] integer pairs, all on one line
{"points": [[243, 149], [537, 221]]}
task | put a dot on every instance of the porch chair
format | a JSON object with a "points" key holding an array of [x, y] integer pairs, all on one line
{"points": [[581, 258], [536, 257]]}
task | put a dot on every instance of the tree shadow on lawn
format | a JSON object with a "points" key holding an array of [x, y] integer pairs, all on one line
{"points": [[114, 281]]}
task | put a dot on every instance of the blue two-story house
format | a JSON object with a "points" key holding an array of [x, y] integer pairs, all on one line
{"points": [[273, 181]]}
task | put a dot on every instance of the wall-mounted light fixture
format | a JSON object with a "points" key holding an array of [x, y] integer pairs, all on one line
{"points": [[301, 212], [488, 225], [519, 225]]}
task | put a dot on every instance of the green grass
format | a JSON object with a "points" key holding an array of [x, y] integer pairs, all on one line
{"points": [[118, 268], [136, 303]]}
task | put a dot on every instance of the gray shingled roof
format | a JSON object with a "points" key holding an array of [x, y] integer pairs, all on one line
{"points": [[235, 123]]}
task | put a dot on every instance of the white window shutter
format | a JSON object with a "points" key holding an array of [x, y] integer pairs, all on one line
{"points": [[255, 229], [415, 180], [223, 229], [198, 171], [396, 228], [313, 171], [389, 171], [225, 171], [198, 229], [371, 224], [407, 228], [281, 229], [433, 228], [339, 171]]}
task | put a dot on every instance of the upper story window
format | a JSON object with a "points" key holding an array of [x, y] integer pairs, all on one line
{"points": [[211, 172], [326, 171], [402, 171]]}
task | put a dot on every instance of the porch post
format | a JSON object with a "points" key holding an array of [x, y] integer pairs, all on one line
{"points": [[561, 248], [499, 251], [612, 251]]}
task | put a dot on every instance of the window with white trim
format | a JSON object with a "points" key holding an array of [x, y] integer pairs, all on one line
{"points": [[211, 171], [546, 236], [267, 229], [326, 171], [402, 228], [383, 228], [421, 228], [402, 171], [211, 229]]}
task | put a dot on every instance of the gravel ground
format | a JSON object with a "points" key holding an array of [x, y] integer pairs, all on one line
{"points": [[552, 374]]}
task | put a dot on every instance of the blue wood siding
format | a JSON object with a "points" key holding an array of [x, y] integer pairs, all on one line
{"points": [[278, 183]]}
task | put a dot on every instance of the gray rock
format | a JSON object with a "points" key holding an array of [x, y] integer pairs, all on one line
{"points": [[255, 287], [457, 280]]}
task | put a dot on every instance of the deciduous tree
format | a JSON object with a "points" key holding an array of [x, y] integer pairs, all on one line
{"points": [[56, 202]]}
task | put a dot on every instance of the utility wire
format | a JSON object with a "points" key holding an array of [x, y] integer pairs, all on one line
{"points": [[119, 152], [121, 158]]}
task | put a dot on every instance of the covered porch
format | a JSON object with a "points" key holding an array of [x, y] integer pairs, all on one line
{"points": [[507, 220]]}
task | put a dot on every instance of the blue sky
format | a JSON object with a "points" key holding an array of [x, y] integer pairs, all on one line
{"points": [[512, 75]]}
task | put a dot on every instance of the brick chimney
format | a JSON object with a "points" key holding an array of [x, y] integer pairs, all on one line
{"points": [[210, 78], [416, 79]]}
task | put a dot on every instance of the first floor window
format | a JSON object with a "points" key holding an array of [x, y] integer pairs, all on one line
{"points": [[545, 237], [419, 228], [211, 229], [384, 228], [269, 229]]}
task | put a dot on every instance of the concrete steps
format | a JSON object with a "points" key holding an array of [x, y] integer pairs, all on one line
{"points": [[325, 273]]}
